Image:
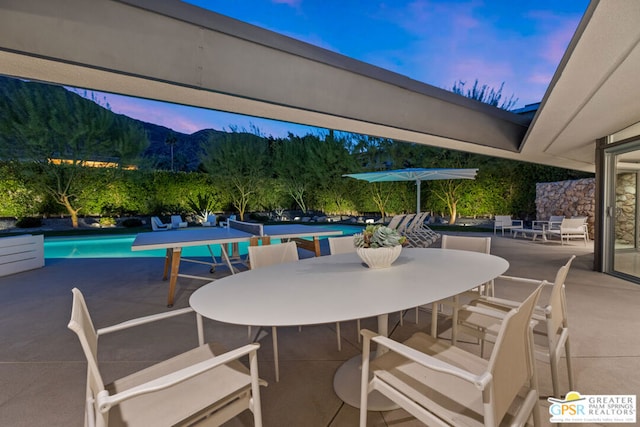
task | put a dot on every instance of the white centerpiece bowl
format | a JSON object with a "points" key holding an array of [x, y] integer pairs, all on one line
{"points": [[379, 257]]}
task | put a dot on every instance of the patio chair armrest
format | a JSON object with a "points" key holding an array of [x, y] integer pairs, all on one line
{"points": [[143, 320], [485, 311], [105, 401], [430, 362], [522, 280]]}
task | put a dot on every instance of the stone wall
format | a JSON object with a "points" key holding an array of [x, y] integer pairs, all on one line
{"points": [[626, 208], [568, 198]]}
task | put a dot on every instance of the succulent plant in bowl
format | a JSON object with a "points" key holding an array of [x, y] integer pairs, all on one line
{"points": [[378, 236]]}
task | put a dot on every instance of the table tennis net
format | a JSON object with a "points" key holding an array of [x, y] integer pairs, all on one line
{"points": [[248, 227]]}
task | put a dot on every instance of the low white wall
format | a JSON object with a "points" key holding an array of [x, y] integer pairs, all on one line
{"points": [[21, 253]]}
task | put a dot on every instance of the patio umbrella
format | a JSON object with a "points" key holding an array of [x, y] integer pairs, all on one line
{"points": [[415, 174]]}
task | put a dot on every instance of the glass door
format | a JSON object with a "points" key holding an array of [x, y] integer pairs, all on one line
{"points": [[622, 222]]}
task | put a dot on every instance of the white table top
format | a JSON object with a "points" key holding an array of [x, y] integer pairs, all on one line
{"points": [[340, 287], [200, 236]]}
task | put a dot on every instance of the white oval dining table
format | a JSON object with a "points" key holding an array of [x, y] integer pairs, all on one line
{"points": [[338, 288]]}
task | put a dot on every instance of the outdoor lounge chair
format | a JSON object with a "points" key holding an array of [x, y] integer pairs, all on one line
{"points": [[552, 224], [177, 222], [210, 221], [205, 385], [481, 318], [441, 384], [404, 223], [395, 221], [158, 225], [504, 222], [419, 234], [571, 228]]}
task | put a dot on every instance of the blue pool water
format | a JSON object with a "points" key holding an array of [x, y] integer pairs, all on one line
{"points": [[119, 246]]}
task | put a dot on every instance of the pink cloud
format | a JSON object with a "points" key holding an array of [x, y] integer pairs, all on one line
{"points": [[556, 43], [540, 78]]}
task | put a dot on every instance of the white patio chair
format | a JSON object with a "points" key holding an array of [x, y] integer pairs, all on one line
{"points": [[264, 256], [553, 223], [504, 222], [158, 225], [342, 245], [210, 221], [441, 384], [205, 385], [473, 320], [571, 228], [177, 222], [463, 243]]}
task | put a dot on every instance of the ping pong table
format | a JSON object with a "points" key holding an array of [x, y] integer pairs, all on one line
{"points": [[228, 238]]}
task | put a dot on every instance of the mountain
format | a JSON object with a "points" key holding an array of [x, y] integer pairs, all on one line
{"points": [[187, 149]]}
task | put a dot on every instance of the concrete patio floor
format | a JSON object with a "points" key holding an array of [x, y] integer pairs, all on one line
{"points": [[42, 369]]}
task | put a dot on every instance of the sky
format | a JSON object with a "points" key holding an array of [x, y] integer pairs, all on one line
{"points": [[518, 43]]}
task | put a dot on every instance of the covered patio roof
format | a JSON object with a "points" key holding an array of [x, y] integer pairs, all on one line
{"points": [[171, 51]]}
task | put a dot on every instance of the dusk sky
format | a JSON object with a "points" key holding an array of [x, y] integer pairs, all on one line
{"points": [[435, 42]]}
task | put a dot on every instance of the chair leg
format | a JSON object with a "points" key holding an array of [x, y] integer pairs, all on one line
{"points": [[338, 336], [454, 324], [434, 320], [554, 375], [569, 367], [274, 336]]}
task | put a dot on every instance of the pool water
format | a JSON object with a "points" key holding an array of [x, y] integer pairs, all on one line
{"points": [[119, 246]]}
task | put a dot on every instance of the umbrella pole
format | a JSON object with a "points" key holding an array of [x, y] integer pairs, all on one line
{"points": [[418, 202]]}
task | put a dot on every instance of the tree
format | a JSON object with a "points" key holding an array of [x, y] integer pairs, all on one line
{"points": [[294, 164], [171, 141], [374, 154], [61, 132], [239, 163], [484, 94]]}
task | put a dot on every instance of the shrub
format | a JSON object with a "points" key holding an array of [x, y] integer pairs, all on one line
{"points": [[258, 217], [131, 222], [107, 221], [29, 222]]}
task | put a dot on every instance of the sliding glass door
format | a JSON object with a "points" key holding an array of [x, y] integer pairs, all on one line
{"points": [[622, 213]]}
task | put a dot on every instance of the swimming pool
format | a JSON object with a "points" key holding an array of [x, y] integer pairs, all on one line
{"points": [[119, 246]]}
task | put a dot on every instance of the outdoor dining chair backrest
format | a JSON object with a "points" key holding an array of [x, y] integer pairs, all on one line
{"points": [[341, 245], [467, 243], [266, 255]]}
